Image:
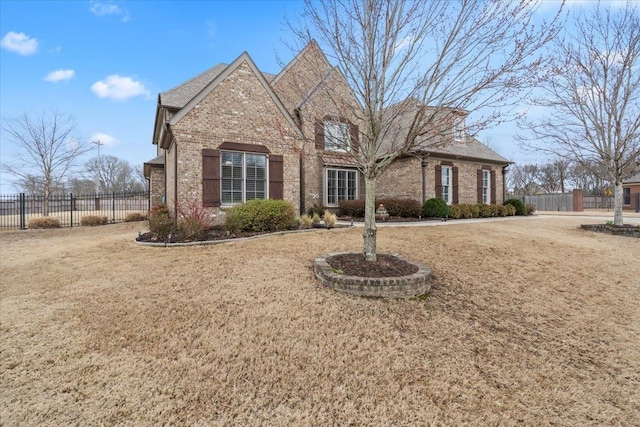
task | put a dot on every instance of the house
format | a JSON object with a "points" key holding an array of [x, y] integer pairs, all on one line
{"points": [[234, 133], [631, 193]]}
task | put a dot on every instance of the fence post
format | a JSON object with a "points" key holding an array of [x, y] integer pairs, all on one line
{"points": [[71, 207], [113, 207], [22, 213]]}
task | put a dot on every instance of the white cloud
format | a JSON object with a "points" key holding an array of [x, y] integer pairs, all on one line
{"points": [[118, 87], [99, 8], [19, 43], [56, 49], [105, 140], [60, 75]]}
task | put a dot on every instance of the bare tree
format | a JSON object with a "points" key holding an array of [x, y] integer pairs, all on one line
{"points": [[417, 68], [112, 174], [593, 98], [47, 150], [524, 179], [552, 176]]}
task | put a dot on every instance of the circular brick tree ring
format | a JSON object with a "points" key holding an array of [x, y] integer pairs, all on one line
{"points": [[418, 283]]}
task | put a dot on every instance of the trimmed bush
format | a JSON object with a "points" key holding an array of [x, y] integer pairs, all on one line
{"points": [[517, 203], [44, 222], [435, 208], [161, 222], [260, 215], [529, 208], [511, 210], [352, 208], [475, 210], [93, 220], [135, 216], [455, 211], [405, 208]]}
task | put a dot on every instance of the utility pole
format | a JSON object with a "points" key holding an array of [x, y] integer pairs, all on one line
{"points": [[99, 166]]}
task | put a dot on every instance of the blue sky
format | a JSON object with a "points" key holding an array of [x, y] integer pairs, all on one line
{"points": [[104, 62]]}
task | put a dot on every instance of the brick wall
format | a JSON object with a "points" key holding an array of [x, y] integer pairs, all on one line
{"points": [[156, 185], [238, 110], [404, 179]]}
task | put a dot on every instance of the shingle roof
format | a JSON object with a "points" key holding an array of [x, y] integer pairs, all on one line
{"points": [[471, 148], [632, 179], [180, 95]]}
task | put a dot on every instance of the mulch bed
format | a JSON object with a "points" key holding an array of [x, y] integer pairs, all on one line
{"points": [[385, 266], [216, 233]]}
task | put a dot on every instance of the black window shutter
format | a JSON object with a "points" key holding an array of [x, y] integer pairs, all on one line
{"points": [[439, 181], [493, 187], [355, 137], [319, 134], [276, 177], [210, 178], [455, 198], [479, 186]]}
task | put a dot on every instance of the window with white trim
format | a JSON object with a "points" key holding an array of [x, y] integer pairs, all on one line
{"points": [[336, 136], [486, 186], [447, 178], [341, 184], [243, 177]]}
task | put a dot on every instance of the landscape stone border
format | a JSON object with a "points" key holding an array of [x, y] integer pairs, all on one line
{"points": [[418, 283], [626, 230]]}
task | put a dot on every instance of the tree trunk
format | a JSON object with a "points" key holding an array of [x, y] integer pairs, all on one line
{"points": [[45, 202], [617, 204], [370, 230]]}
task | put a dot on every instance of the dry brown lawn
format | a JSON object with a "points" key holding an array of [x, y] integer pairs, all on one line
{"points": [[530, 321]]}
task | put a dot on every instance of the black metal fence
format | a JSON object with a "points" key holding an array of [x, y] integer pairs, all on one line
{"points": [[16, 210]]}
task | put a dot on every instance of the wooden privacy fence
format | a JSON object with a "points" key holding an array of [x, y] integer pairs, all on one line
{"points": [[567, 202], [17, 209]]}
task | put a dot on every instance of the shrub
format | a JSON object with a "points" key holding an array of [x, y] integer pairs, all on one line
{"points": [[329, 219], [405, 208], [160, 221], [261, 215], [93, 220], [502, 210], [485, 210], [435, 208], [193, 220], [517, 203], [134, 216], [529, 208], [315, 220], [316, 209], [455, 211], [44, 222], [511, 210], [465, 211], [305, 221], [352, 208], [474, 209]]}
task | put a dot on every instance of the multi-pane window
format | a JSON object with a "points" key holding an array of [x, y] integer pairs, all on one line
{"points": [[446, 184], [341, 185], [243, 177], [626, 196], [336, 136], [486, 184]]}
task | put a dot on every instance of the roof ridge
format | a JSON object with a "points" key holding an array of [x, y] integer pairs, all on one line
{"points": [[296, 58], [184, 83]]}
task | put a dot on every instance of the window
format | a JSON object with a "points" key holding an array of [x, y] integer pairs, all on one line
{"points": [[626, 196], [336, 136], [446, 183], [341, 185], [243, 177], [486, 186]]}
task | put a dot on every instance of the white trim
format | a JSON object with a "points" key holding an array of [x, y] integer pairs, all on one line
{"points": [[325, 183], [449, 186]]}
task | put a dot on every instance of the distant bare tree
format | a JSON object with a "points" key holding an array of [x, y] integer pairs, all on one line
{"points": [[552, 176], [417, 68], [112, 174], [524, 179], [593, 98], [47, 151]]}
